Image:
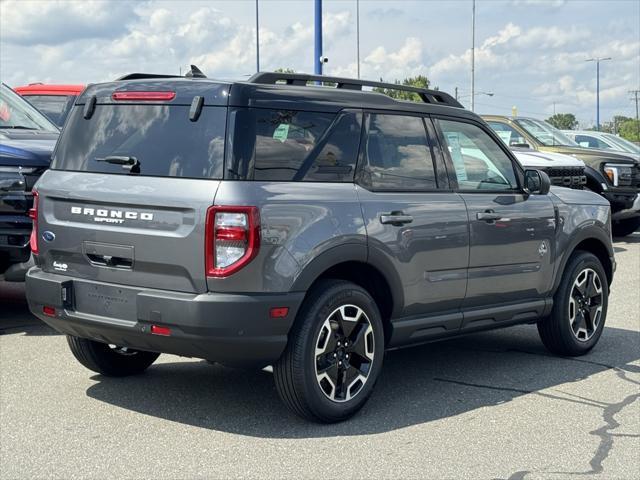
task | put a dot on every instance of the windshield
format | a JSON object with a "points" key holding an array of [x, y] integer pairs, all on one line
{"points": [[17, 113], [625, 145], [544, 133]]}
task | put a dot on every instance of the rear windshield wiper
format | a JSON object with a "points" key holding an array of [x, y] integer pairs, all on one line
{"points": [[128, 163], [117, 160]]}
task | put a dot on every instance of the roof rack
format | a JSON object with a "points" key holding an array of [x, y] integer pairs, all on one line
{"points": [[302, 79], [195, 72]]}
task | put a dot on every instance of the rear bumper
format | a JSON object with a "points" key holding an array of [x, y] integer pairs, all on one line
{"points": [[234, 329]]}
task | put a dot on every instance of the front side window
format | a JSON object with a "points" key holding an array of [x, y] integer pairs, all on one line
{"points": [[479, 162], [18, 114], [508, 134], [398, 156], [590, 142], [288, 145]]}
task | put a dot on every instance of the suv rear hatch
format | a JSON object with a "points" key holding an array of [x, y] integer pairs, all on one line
{"points": [[135, 170]]}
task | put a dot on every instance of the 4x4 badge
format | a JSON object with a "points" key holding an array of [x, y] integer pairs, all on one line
{"points": [[542, 249]]}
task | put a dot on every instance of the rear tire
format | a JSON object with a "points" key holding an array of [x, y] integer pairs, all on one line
{"points": [[334, 354], [108, 361], [622, 228], [579, 307]]}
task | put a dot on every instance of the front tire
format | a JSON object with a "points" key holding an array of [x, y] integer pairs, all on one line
{"points": [[579, 307], [110, 361], [334, 354], [622, 228]]}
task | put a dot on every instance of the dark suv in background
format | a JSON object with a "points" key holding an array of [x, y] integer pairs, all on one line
{"points": [[614, 175], [27, 139], [276, 222]]}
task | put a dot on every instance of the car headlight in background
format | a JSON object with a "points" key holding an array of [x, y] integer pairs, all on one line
{"points": [[618, 175]]}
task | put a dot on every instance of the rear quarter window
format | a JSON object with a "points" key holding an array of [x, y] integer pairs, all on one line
{"points": [[161, 138], [288, 145]]}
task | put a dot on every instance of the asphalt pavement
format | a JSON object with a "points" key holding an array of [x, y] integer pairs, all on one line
{"points": [[493, 405]]}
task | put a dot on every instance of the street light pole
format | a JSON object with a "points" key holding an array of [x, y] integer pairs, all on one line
{"points": [[257, 41], [598, 60], [318, 38], [358, 35], [473, 53]]}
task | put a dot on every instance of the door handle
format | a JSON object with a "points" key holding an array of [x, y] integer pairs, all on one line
{"points": [[395, 218], [488, 216]]}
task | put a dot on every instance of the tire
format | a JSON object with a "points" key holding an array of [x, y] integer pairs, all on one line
{"points": [[108, 361], [308, 375], [577, 319], [622, 228]]}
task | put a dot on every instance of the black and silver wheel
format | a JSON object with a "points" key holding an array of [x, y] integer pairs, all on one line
{"points": [[580, 307], [334, 354], [110, 360]]}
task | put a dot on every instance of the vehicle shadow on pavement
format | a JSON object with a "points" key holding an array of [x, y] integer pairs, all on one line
{"points": [[15, 316], [417, 385]]}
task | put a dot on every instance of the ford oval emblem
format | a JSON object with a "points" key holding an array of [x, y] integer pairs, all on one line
{"points": [[48, 236]]}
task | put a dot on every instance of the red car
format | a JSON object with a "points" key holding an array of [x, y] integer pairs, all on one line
{"points": [[54, 101]]}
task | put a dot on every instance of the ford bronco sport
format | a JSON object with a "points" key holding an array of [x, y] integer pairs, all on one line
{"points": [[278, 222]]}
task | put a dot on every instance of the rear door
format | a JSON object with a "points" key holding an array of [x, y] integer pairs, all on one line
{"points": [[416, 226], [511, 233], [131, 180]]}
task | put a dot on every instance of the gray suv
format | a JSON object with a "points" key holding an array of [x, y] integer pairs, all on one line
{"points": [[279, 222]]}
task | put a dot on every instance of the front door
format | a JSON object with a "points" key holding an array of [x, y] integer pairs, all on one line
{"points": [[511, 233]]}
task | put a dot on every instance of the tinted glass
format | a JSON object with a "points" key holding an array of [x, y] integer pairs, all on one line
{"points": [[160, 137], [479, 162], [590, 142], [545, 133], [508, 134], [277, 145], [17, 113], [53, 106], [398, 156]]}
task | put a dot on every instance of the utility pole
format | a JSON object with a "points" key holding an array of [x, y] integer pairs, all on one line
{"points": [[635, 94], [358, 35], [598, 60], [318, 38], [257, 40], [456, 93], [473, 53]]}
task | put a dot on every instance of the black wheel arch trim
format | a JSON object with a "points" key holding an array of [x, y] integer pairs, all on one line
{"points": [[351, 252], [589, 232]]}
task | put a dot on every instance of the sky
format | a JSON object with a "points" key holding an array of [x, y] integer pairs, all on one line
{"points": [[529, 53]]}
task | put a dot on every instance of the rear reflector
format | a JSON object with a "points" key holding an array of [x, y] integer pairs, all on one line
{"points": [[143, 96], [157, 330], [49, 311], [279, 312]]}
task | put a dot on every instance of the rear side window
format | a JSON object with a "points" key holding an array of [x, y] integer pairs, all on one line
{"points": [[53, 106], [161, 139], [398, 156], [287, 145]]}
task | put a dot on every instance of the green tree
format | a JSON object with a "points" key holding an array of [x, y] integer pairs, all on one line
{"points": [[630, 129], [420, 81], [563, 121]]}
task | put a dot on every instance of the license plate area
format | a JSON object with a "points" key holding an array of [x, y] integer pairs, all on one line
{"points": [[105, 301]]}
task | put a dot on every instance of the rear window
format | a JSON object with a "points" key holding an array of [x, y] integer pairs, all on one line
{"points": [[161, 139], [55, 107], [287, 145]]}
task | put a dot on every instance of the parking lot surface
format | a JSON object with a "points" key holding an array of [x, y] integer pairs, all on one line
{"points": [[493, 405]]}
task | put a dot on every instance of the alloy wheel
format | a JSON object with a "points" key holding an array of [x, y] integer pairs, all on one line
{"points": [[344, 352], [585, 304]]}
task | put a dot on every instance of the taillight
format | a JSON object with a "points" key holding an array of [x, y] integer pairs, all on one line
{"points": [[33, 214], [143, 96], [232, 239]]}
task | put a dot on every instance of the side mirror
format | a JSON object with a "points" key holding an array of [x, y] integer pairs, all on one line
{"points": [[536, 181]]}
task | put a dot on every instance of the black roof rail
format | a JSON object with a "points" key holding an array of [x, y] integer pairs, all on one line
{"points": [[193, 73], [302, 79]]}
